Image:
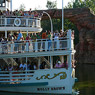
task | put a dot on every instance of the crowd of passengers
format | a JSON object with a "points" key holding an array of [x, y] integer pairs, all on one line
{"points": [[34, 66], [20, 42], [30, 13], [19, 66]]}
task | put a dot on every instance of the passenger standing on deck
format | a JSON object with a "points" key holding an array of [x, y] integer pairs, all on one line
{"points": [[15, 42], [64, 65], [8, 14], [56, 39], [19, 38], [73, 64], [4, 46], [44, 36], [34, 40], [28, 38], [22, 66], [28, 66], [39, 41], [10, 67], [23, 44], [32, 19]]}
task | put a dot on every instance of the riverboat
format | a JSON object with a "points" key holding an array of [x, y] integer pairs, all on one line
{"points": [[48, 80]]}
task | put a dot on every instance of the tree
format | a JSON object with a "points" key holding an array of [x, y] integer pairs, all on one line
{"points": [[51, 5], [82, 3], [22, 7], [90, 4]]}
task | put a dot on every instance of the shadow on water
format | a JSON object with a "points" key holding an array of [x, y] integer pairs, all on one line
{"points": [[86, 79]]}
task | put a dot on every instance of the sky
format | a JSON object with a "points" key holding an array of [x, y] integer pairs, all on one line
{"points": [[38, 4]]}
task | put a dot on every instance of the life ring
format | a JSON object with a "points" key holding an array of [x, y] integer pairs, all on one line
{"points": [[17, 22]]}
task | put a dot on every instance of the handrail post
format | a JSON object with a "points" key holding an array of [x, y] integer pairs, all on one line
{"points": [[69, 35], [58, 44], [36, 46], [11, 47], [39, 24], [26, 22], [69, 39], [5, 21], [10, 74], [27, 46], [36, 24], [46, 45]]}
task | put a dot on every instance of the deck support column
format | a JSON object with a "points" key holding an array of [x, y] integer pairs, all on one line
{"points": [[11, 5], [5, 34], [26, 63], [39, 61], [27, 32], [51, 62], [69, 58]]}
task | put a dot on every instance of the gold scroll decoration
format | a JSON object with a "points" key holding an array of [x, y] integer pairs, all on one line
{"points": [[63, 75]]}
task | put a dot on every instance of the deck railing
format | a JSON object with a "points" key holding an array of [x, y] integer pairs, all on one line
{"points": [[19, 22], [33, 46], [15, 76], [38, 45]]}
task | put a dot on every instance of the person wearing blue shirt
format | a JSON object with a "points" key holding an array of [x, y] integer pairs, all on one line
{"points": [[19, 38]]}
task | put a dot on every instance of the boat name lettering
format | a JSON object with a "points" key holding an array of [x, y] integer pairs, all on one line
{"points": [[52, 88], [62, 76]]}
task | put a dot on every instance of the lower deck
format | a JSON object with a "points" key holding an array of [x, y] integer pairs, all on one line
{"points": [[57, 81]]}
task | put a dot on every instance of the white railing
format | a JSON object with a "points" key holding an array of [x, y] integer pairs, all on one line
{"points": [[15, 76], [33, 46], [38, 45], [19, 21]]}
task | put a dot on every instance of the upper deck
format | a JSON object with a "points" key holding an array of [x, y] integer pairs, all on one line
{"points": [[15, 23]]}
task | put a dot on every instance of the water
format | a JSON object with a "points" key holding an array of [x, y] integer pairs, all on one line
{"points": [[85, 84], [86, 79]]}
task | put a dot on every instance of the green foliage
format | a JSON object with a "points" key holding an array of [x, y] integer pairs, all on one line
{"points": [[51, 5], [82, 3], [90, 4], [22, 7], [78, 4], [46, 25]]}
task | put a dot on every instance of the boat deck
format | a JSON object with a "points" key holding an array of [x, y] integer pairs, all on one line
{"points": [[41, 47]]}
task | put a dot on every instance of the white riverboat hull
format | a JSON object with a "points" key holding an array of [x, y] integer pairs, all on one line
{"points": [[51, 81], [42, 89]]}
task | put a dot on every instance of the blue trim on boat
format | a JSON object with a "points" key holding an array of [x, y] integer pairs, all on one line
{"points": [[24, 84]]}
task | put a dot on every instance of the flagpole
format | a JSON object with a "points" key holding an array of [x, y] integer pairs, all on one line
{"points": [[62, 18], [11, 5]]}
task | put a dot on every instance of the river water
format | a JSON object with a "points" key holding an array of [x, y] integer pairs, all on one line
{"points": [[86, 79], [85, 74]]}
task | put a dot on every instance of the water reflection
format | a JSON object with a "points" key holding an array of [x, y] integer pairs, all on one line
{"points": [[86, 77]]}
